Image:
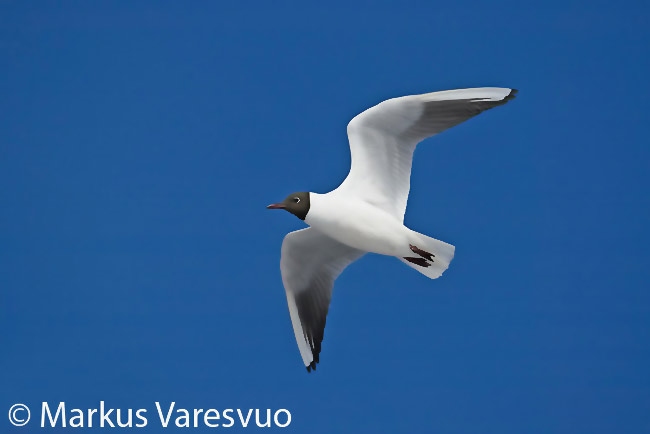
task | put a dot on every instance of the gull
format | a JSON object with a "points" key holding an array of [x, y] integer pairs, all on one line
{"points": [[366, 212]]}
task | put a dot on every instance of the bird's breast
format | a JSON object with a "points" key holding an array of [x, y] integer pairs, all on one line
{"points": [[358, 224]]}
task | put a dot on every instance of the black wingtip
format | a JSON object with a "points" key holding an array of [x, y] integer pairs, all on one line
{"points": [[311, 366], [511, 95]]}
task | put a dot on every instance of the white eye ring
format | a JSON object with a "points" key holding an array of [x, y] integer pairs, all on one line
{"points": [[296, 199]]}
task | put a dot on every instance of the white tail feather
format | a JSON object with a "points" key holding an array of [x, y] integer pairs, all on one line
{"points": [[443, 254]]}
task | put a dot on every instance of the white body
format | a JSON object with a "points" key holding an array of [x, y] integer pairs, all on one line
{"points": [[359, 224]]}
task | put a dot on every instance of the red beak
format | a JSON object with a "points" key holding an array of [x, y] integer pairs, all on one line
{"points": [[276, 206]]}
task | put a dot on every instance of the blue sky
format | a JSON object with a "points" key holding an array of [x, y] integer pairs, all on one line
{"points": [[141, 141]]}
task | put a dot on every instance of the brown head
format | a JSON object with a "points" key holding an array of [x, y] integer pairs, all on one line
{"points": [[296, 203]]}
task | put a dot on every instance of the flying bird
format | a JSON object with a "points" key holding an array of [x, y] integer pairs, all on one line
{"points": [[366, 212]]}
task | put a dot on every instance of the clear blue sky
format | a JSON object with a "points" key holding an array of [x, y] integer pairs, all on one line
{"points": [[141, 141]]}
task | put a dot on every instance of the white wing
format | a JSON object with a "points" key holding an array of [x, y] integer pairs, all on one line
{"points": [[383, 138], [310, 263]]}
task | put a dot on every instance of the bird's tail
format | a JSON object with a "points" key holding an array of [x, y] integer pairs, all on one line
{"points": [[429, 256]]}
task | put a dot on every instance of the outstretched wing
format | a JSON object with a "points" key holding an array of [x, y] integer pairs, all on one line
{"points": [[310, 263], [383, 138]]}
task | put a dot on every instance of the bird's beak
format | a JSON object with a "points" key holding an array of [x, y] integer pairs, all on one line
{"points": [[276, 206]]}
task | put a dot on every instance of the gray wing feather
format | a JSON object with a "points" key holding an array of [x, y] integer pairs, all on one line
{"points": [[437, 116], [383, 139], [310, 263]]}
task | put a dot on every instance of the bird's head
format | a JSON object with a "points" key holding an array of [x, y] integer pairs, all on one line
{"points": [[296, 203]]}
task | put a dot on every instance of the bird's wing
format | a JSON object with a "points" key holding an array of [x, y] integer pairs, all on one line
{"points": [[310, 263], [383, 138]]}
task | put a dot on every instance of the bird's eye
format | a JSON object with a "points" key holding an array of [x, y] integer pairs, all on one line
{"points": [[296, 199]]}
